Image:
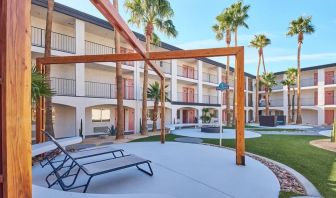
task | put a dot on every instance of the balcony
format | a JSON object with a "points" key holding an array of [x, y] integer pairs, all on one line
{"points": [[272, 103], [210, 99], [308, 101], [330, 80], [278, 86], [106, 90], [187, 72], [187, 98], [63, 86], [165, 66], [211, 78], [168, 91], [92, 48], [59, 42], [307, 82]]}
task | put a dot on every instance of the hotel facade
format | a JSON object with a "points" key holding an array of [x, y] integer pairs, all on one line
{"points": [[85, 94]]}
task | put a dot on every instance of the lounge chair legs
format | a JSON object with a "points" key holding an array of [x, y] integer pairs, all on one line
{"points": [[150, 172]]}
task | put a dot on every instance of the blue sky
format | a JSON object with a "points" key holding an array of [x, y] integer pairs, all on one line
{"points": [[194, 18]]}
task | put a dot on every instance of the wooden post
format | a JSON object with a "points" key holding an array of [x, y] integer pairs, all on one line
{"points": [[40, 110], [15, 108], [239, 105], [163, 99]]}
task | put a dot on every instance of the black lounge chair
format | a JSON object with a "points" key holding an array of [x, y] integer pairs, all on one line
{"points": [[91, 169]]}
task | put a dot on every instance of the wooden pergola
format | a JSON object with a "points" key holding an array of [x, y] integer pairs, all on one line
{"points": [[15, 84]]}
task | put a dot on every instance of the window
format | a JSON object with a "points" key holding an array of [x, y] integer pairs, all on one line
{"points": [[101, 115]]}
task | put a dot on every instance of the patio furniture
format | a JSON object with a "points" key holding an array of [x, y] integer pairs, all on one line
{"points": [[92, 169], [269, 121]]}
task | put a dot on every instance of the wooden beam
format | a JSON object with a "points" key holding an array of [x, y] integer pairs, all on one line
{"points": [[239, 106], [163, 99], [15, 107], [178, 54], [107, 9], [40, 110]]}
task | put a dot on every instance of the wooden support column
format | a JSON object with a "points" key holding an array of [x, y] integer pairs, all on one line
{"points": [[40, 110], [239, 105], [15, 94], [163, 99]]}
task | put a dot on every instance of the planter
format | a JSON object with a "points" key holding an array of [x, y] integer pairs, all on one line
{"points": [[270, 121]]}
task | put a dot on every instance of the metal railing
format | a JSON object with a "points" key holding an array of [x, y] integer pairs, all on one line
{"points": [[330, 81], [106, 90], [278, 86], [272, 103], [210, 99], [211, 78], [187, 73], [92, 48], [187, 98], [306, 82], [59, 42], [63, 86], [165, 66], [308, 102]]}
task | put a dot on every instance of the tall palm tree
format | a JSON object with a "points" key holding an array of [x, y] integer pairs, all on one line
{"points": [[150, 14], [291, 74], [120, 105], [47, 52], [224, 24], [268, 80], [259, 42], [240, 15], [154, 92], [300, 26]]}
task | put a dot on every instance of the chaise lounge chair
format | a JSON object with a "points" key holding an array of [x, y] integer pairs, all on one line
{"points": [[91, 169]]}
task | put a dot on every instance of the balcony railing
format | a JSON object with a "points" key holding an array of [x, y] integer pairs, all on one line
{"points": [[168, 91], [59, 42], [187, 73], [211, 78], [306, 82], [278, 86], [210, 99], [165, 66], [106, 90], [187, 98], [307, 102], [63, 86], [92, 48], [272, 103]]}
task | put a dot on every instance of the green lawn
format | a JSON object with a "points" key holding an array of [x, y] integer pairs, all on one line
{"points": [[318, 165]]}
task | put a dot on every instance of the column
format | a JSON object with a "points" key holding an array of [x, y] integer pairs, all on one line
{"points": [[174, 114], [80, 116], [320, 116], [246, 93], [285, 99], [200, 81], [219, 93], [80, 50], [199, 110], [137, 92], [174, 81], [320, 87]]}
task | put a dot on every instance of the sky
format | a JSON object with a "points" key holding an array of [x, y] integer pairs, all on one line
{"points": [[193, 20]]}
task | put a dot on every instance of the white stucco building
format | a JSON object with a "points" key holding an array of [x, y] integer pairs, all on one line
{"points": [[87, 92]]}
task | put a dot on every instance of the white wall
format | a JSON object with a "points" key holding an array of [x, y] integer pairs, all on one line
{"points": [[65, 121]]}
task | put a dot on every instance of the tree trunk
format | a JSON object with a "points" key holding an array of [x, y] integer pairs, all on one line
{"points": [[298, 113], [263, 60], [120, 106], [47, 53], [234, 83], [288, 106], [267, 102], [227, 76], [293, 105], [155, 115], [256, 110], [144, 130]]}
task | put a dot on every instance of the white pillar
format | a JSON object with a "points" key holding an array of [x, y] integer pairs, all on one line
{"points": [[285, 100], [80, 115], [174, 115], [174, 81], [320, 87], [80, 50], [200, 81], [320, 116], [199, 109], [219, 93], [137, 91]]}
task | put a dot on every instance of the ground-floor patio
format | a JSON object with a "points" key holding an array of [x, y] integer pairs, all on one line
{"points": [[182, 170]]}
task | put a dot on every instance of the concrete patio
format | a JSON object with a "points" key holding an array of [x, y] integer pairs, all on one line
{"points": [[227, 133], [180, 170]]}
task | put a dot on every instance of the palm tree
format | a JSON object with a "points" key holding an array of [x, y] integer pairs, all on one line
{"points": [[154, 92], [299, 27], [150, 14], [259, 42], [47, 53], [268, 80], [224, 24], [40, 86], [120, 105], [291, 74], [240, 15]]}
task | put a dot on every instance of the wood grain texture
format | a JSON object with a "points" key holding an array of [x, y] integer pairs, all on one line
{"points": [[168, 55], [239, 105], [15, 62]]}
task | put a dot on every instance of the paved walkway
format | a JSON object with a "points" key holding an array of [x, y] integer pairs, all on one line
{"points": [[326, 133], [324, 144], [182, 170], [227, 134]]}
